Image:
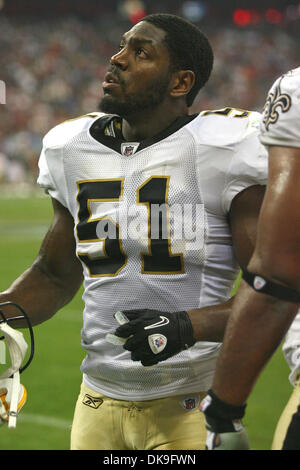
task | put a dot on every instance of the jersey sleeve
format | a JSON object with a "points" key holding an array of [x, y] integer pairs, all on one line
{"points": [[291, 349], [248, 165], [51, 174], [280, 124]]}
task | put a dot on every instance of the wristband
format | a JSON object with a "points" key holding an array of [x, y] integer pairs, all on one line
{"points": [[265, 286]]}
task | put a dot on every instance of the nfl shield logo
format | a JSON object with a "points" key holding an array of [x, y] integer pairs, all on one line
{"points": [[159, 341], [128, 150], [258, 283], [190, 402]]}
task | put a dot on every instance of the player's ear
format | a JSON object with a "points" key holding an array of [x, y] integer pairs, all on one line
{"points": [[183, 81]]}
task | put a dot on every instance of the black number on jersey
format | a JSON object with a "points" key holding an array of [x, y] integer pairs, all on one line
{"points": [[235, 112], [112, 258], [160, 260], [109, 260]]}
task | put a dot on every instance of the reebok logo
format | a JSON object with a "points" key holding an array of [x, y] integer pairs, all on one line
{"points": [[164, 321], [92, 402]]}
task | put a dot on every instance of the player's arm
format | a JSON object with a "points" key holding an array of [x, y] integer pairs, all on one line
{"points": [[55, 275], [183, 329], [259, 321]]}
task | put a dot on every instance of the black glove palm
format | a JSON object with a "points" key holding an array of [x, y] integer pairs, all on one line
{"points": [[154, 336]]}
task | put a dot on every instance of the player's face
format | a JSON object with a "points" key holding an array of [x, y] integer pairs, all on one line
{"points": [[139, 74]]}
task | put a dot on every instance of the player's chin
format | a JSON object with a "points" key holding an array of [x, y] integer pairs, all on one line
{"points": [[109, 104]]}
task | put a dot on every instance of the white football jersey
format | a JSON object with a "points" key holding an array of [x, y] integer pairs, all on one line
{"points": [[280, 123], [281, 126], [151, 229]]}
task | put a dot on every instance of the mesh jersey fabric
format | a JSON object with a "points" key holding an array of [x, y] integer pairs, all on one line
{"points": [[199, 169]]}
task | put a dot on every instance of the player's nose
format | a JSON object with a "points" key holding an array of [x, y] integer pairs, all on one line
{"points": [[120, 59]]}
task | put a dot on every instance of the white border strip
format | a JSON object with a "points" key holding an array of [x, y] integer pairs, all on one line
{"points": [[45, 421]]}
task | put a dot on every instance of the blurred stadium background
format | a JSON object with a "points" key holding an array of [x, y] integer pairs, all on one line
{"points": [[54, 55]]}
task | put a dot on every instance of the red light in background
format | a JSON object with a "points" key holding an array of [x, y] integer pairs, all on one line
{"points": [[273, 16], [137, 15], [241, 17], [255, 17]]}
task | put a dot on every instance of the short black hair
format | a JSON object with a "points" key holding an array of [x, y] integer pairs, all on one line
{"points": [[188, 47]]}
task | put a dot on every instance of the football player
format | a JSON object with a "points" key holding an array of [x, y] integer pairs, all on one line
{"points": [[154, 208], [270, 295]]}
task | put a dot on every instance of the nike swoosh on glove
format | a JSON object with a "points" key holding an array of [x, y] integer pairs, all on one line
{"points": [[153, 336], [225, 430]]}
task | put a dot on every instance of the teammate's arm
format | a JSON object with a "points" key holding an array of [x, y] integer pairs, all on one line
{"points": [[55, 275], [259, 322]]}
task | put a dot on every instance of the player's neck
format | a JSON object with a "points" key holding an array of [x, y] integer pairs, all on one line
{"points": [[149, 123]]}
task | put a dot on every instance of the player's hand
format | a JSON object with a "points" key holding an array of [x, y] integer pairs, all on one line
{"points": [[226, 435], [153, 336], [224, 431]]}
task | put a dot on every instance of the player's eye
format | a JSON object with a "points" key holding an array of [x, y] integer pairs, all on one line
{"points": [[141, 52]]}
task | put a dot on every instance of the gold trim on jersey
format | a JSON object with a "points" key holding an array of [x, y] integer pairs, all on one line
{"points": [[226, 112], [91, 115]]}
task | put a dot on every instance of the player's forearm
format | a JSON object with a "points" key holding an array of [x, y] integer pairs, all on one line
{"points": [[39, 293], [209, 323], [254, 331]]}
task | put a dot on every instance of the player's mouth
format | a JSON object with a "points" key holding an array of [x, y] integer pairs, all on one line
{"points": [[110, 81]]}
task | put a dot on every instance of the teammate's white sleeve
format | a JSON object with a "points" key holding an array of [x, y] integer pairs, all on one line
{"points": [[248, 166], [280, 123], [291, 349]]}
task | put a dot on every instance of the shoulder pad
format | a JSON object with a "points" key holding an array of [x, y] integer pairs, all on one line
{"points": [[225, 126], [63, 132]]}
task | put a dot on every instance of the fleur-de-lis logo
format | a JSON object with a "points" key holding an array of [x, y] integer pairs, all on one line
{"points": [[276, 102]]}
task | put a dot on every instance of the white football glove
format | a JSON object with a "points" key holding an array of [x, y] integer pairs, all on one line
{"points": [[13, 396], [12, 393], [236, 439], [225, 430]]}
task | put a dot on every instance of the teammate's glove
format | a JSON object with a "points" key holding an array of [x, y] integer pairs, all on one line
{"points": [[225, 430], [153, 336]]}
